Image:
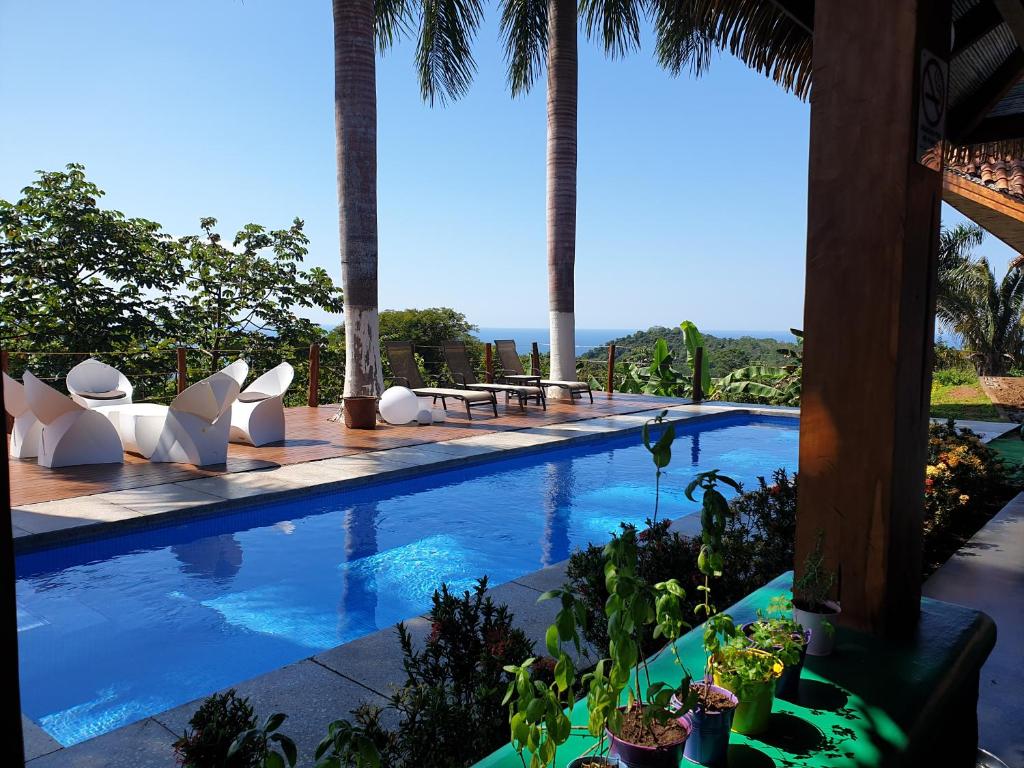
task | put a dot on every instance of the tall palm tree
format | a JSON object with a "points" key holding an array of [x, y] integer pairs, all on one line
{"points": [[544, 32], [984, 311], [445, 67]]}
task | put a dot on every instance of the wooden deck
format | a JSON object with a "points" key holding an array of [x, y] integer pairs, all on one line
{"points": [[310, 437]]}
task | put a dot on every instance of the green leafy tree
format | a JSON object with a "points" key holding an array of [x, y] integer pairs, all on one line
{"points": [[75, 277]]}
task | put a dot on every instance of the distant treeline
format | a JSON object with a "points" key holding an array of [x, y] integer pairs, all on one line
{"points": [[721, 354]]}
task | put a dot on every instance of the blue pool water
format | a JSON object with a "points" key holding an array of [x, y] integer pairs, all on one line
{"points": [[116, 629]]}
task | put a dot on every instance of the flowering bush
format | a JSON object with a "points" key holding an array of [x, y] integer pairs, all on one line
{"points": [[961, 476]]}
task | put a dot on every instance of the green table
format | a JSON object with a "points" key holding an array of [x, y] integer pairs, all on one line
{"points": [[869, 704]]}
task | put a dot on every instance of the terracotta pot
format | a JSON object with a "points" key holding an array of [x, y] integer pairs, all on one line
{"points": [[360, 412]]}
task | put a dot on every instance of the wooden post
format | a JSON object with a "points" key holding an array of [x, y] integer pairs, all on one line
{"points": [[698, 371], [872, 244], [313, 400], [611, 368], [488, 363], [4, 363], [535, 360], [182, 371]]}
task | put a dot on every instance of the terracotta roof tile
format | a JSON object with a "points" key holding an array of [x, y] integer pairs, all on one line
{"points": [[1003, 174]]}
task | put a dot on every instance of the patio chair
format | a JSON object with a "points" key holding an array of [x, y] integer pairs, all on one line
{"points": [[25, 435], [237, 370], [193, 429], [93, 384], [511, 363], [257, 416], [72, 434], [404, 368], [457, 358]]}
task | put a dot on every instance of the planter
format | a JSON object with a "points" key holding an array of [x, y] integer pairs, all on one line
{"points": [[756, 700], [611, 762], [360, 411], [787, 687], [822, 639], [709, 732], [640, 756]]}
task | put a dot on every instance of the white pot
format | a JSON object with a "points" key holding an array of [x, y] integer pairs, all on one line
{"points": [[822, 627]]}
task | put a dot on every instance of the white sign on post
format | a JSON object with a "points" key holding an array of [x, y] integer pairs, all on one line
{"points": [[931, 112]]}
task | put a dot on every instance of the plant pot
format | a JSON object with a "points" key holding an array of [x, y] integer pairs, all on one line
{"points": [[611, 762], [822, 639], [640, 756], [756, 701], [787, 687], [709, 732], [360, 411]]}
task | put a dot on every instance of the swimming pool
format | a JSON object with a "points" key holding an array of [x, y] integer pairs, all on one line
{"points": [[116, 629]]}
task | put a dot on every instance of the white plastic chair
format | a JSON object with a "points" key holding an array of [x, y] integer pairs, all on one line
{"points": [[189, 430], [93, 384], [27, 429], [72, 434], [257, 416], [237, 370]]}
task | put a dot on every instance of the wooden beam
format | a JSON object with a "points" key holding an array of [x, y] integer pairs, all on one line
{"points": [[972, 110], [872, 245], [1002, 128], [979, 21], [800, 11]]}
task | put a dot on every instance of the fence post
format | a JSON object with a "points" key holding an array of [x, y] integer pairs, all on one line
{"points": [[313, 400], [9, 420], [182, 371], [488, 363], [611, 368], [698, 369], [535, 360]]}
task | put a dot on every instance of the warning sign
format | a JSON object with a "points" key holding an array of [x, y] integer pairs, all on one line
{"points": [[931, 114]]}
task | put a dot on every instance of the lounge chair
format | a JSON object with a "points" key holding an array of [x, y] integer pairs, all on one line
{"points": [[462, 372], [93, 384], [27, 429], [407, 373], [71, 434], [257, 416], [193, 429], [512, 365]]}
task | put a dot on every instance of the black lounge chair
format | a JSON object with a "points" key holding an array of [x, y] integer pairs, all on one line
{"points": [[512, 365], [457, 358], [407, 373]]}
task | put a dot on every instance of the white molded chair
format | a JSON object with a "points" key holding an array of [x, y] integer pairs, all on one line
{"points": [[189, 430], [72, 434], [27, 429], [257, 416], [237, 370], [93, 384]]}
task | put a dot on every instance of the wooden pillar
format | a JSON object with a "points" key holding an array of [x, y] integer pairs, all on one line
{"points": [[611, 368], [314, 376], [872, 239], [182, 370], [4, 366], [488, 363], [535, 359], [698, 370]]}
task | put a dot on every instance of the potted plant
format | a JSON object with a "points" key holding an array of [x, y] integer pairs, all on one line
{"points": [[711, 706], [775, 631], [749, 673], [812, 607]]}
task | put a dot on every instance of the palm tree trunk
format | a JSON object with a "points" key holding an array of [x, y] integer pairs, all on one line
{"points": [[355, 116], [561, 204]]}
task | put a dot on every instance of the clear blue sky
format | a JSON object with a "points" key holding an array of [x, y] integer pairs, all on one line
{"points": [[692, 193]]}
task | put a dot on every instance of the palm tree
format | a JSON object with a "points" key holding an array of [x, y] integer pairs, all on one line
{"points": [[539, 32], [445, 67], [984, 311]]}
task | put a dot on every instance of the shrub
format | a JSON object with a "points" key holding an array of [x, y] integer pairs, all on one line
{"points": [[216, 724], [955, 377], [451, 702]]}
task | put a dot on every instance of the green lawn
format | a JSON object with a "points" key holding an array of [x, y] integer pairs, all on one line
{"points": [[962, 401]]}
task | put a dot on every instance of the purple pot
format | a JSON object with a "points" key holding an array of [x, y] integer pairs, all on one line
{"points": [[787, 687], [639, 756], [709, 733]]}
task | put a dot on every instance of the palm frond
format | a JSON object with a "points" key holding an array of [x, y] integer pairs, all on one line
{"points": [[444, 56], [684, 37], [616, 22], [524, 29], [392, 19]]}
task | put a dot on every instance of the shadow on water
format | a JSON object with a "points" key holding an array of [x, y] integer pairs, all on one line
{"points": [[746, 756], [793, 734], [821, 696]]}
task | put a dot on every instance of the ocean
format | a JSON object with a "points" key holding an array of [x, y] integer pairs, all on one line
{"points": [[588, 338]]}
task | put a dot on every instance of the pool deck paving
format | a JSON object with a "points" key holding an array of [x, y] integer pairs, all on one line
{"points": [[328, 685]]}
